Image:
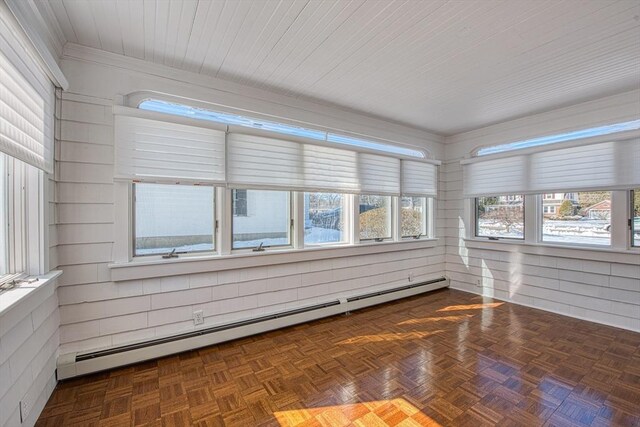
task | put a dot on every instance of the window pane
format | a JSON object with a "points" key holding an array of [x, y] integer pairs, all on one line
{"points": [[240, 202], [414, 216], [323, 218], [635, 221], [171, 217], [265, 219], [583, 218], [375, 217], [500, 216]]}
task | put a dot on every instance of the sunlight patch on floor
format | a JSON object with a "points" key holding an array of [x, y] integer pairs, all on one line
{"points": [[424, 320], [472, 306], [396, 412], [399, 336]]}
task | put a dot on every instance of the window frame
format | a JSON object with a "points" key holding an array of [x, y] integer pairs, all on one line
{"points": [[347, 201], [476, 218], [426, 223], [123, 240], [394, 234], [183, 254], [540, 234], [290, 217], [26, 208], [632, 220]]}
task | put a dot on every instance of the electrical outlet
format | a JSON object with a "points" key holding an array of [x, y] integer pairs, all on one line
{"points": [[410, 276], [25, 408], [479, 282], [198, 317]]}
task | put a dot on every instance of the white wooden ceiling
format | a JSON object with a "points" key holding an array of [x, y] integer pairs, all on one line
{"points": [[445, 66]]}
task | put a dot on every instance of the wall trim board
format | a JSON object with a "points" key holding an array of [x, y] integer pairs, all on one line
{"points": [[189, 265], [576, 252]]}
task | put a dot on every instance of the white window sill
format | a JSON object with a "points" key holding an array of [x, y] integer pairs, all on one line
{"points": [[143, 269], [594, 253], [13, 297]]}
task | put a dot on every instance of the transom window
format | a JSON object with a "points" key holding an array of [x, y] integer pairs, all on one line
{"points": [[562, 137], [238, 120]]}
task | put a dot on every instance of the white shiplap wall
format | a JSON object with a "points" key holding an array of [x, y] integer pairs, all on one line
{"points": [[30, 336], [96, 312], [597, 286], [29, 340]]}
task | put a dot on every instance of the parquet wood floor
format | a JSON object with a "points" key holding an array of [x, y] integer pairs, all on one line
{"points": [[446, 358]]}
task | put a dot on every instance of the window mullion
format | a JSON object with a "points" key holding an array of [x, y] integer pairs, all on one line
{"points": [[620, 208], [396, 218], [297, 211], [355, 219], [225, 217], [532, 218]]}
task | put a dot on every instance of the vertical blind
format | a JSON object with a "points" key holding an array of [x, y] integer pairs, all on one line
{"points": [[606, 165], [26, 102], [159, 151]]}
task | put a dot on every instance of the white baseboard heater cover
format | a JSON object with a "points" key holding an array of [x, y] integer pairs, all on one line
{"points": [[75, 364]]}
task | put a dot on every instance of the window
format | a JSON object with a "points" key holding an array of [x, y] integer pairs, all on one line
{"points": [[168, 217], [22, 243], [583, 218], [635, 217], [563, 137], [239, 202], [549, 209], [500, 217], [281, 128], [413, 211], [375, 217], [324, 215], [267, 222]]}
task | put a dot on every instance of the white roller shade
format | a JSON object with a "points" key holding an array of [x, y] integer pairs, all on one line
{"points": [[26, 102], [419, 178], [260, 162], [162, 151], [602, 166], [379, 174]]}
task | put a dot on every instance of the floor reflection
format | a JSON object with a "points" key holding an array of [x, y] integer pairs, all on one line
{"points": [[400, 336], [471, 306], [376, 413]]}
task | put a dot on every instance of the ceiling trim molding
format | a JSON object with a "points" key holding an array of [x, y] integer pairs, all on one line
{"points": [[34, 28], [89, 54]]}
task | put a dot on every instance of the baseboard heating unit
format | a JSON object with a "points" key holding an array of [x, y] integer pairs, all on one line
{"points": [[75, 364]]}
